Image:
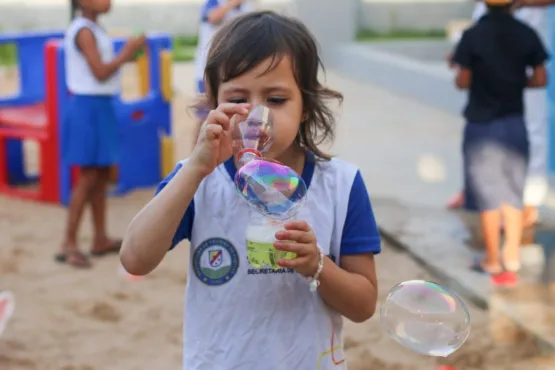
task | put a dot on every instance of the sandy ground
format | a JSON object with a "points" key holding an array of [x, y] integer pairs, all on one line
{"points": [[67, 319]]}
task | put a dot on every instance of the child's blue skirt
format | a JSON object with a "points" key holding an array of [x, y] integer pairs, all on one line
{"points": [[495, 163], [90, 132]]}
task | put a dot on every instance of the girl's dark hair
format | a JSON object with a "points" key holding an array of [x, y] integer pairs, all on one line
{"points": [[250, 39], [74, 8]]}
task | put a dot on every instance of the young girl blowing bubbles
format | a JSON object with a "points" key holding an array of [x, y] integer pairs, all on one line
{"points": [[239, 317], [90, 138]]}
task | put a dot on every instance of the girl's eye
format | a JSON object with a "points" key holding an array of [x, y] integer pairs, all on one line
{"points": [[237, 100], [276, 101]]}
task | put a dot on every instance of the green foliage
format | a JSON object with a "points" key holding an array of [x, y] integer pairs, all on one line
{"points": [[183, 51], [400, 34], [8, 54]]}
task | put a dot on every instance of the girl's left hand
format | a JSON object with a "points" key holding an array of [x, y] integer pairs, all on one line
{"points": [[299, 238]]}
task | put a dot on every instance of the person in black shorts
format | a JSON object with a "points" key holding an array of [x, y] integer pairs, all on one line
{"points": [[494, 58]]}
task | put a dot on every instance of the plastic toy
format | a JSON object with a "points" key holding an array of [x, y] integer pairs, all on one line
{"points": [[36, 114]]}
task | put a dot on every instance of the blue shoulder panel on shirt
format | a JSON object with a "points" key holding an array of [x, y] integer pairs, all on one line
{"points": [[360, 232], [186, 225]]}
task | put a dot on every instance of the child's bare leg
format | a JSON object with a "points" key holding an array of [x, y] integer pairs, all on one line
{"points": [[530, 218], [101, 242], [490, 228], [530, 215], [79, 197], [513, 218]]}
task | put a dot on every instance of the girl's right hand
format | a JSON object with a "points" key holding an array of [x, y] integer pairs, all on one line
{"points": [[133, 46], [214, 144]]}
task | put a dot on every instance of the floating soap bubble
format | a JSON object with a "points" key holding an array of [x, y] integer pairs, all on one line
{"points": [[274, 191], [426, 318]]}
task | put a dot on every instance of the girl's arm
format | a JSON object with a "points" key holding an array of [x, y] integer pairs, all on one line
{"points": [[351, 289], [217, 13], [86, 42], [151, 232]]}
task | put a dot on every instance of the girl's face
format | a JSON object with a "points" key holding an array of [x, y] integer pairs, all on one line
{"points": [[272, 84], [96, 6]]}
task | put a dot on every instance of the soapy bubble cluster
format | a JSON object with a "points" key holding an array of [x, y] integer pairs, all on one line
{"points": [[271, 188]]}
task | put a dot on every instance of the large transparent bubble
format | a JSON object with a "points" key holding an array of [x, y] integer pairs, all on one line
{"points": [[271, 188], [426, 318]]}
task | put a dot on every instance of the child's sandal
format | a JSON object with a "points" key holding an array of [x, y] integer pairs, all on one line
{"points": [[478, 267], [74, 258]]}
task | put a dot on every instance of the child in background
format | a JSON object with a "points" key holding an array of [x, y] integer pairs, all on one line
{"points": [[239, 317], [493, 57], [90, 140], [534, 13], [214, 14]]}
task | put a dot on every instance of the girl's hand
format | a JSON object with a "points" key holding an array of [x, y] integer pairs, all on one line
{"points": [[133, 46], [299, 238], [214, 144]]}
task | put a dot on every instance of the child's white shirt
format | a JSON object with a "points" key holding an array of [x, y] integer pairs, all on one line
{"points": [[79, 77], [239, 317], [207, 30]]}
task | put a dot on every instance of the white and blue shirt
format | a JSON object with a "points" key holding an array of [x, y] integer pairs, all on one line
{"points": [[208, 30], [240, 317], [79, 78]]}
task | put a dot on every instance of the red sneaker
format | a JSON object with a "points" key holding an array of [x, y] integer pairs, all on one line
{"points": [[507, 279]]}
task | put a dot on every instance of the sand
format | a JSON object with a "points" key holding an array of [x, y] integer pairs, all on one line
{"points": [[69, 319]]}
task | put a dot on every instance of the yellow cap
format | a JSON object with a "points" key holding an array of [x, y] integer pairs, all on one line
{"points": [[498, 2]]}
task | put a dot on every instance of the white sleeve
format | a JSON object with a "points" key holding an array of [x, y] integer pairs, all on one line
{"points": [[479, 10]]}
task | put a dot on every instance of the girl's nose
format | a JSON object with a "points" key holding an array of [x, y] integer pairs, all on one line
{"points": [[255, 100]]}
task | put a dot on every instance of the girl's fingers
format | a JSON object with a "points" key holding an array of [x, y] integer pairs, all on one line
{"points": [[231, 109], [222, 114], [294, 263], [213, 132], [295, 235], [299, 248], [297, 225], [216, 117]]}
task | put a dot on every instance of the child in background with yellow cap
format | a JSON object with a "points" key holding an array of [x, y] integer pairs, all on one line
{"points": [[493, 57]]}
